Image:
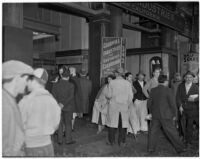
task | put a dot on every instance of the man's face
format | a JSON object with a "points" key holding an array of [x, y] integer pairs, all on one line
{"points": [[177, 77], [21, 84], [156, 73], [141, 77], [130, 78], [189, 79], [109, 79], [61, 71]]}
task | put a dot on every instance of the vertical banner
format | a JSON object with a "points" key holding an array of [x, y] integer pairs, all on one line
{"points": [[113, 55], [190, 62]]}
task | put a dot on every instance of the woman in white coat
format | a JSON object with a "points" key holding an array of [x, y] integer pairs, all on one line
{"points": [[120, 95], [100, 108]]}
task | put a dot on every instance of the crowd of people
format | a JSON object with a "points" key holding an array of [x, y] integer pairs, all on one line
{"points": [[153, 107], [32, 114]]}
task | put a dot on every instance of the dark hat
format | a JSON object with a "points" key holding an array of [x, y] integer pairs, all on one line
{"points": [[189, 73], [140, 73], [162, 78], [66, 73]]}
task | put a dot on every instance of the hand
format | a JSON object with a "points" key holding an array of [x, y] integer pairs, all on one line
{"points": [[181, 109], [61, 105], [148, 117]]}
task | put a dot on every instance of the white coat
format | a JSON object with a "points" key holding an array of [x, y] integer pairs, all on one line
{"points": [[100, 106], [121, 95]]}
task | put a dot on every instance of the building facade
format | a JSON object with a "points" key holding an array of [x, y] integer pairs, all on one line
{"points": [[49, 34]]}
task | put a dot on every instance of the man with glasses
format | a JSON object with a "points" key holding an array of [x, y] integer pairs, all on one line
{"points": [[14, 76], [187, 101]]}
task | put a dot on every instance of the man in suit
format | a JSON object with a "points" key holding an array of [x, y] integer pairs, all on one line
{"points": [[140, 102], [188, 105], [162, 107], [63, 91], [86, 89], [75, 80]]}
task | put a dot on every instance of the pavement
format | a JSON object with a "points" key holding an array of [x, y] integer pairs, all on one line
{"points": [[90, 144]]}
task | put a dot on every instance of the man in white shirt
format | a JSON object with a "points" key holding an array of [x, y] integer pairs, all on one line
{"points": [[140, 102]]}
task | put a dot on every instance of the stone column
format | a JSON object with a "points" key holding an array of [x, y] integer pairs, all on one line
{"points": [[13, 14], [115, 21], [98, 28]]}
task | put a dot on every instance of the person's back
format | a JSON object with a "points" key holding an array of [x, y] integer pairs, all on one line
{"points": [[63, 91], [86, 88], [77, 94], [41, 116], [120, 93], [163, 110], [163, 104]]}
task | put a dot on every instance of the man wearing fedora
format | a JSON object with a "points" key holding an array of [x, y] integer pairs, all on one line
{"points": [[187, 101], [120, 94], [140, 102], [163, 112]]}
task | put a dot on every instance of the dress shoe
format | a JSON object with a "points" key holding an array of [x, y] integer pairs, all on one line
{"points": [[71, 142]]}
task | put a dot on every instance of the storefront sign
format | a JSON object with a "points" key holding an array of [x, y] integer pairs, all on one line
{"points": [[113, 55], [156, 13], [190, 62]]}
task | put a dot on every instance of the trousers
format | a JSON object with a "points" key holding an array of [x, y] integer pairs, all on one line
{"points": [[122, 133], [170, 131], [187, 123], [43, 151], [66, 123], [141, 112]]}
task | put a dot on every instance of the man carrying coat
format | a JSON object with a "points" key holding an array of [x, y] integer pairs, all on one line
{"points": [[120, 95], [162, 107]]}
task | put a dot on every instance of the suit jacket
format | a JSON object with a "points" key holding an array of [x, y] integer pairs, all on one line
{"points": [[77, 94], [86, 88], [63, 91], [182, 97], [139, 95], [161, 103]]}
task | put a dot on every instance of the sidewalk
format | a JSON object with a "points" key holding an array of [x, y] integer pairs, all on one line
{"points": [[89, 144]]}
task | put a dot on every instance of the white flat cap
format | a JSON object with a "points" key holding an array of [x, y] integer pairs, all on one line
{"points": [[13, 68]]}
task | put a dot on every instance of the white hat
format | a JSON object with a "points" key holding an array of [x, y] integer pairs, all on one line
{"points": [[41, 74], [13, 68]]}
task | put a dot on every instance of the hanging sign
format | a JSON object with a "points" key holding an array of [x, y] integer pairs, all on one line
{"points": [[190, 62], [113, 54]]}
